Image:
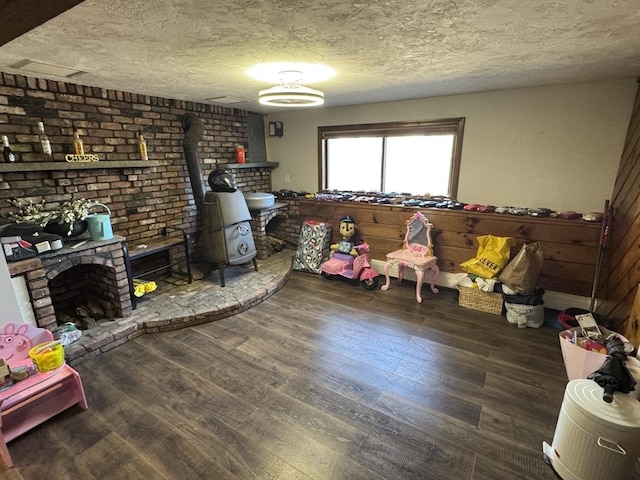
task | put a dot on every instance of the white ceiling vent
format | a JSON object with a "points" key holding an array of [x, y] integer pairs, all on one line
{"points": [[226, 100], [47, 69]]}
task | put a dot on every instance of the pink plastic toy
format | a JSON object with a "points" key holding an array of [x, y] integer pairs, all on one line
{"points": [[348, 266], [14, 344], [38, 397]]}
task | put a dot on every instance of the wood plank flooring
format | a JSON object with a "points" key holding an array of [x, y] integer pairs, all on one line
{"points": [[323, 381]]}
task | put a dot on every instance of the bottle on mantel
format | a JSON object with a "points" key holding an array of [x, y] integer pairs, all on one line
{"points": [[45, 143], [78, 145], [142, 146], [8, 155]]}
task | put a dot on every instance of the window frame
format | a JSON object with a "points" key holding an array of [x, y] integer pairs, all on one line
{"points": [[453, 126]]}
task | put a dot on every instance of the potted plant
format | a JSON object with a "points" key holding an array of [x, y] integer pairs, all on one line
{"points": [[68, 219]]}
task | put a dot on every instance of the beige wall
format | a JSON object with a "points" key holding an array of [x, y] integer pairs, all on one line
{"points": [[556, 147]]}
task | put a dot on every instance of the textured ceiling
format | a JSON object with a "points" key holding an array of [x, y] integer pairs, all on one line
{"points": [[381, 50]]}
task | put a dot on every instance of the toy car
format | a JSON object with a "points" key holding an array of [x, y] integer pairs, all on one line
{"points": [[518, 211], [540, 212], [570, 215], [503, 209], [486, 208], [592, 217]]}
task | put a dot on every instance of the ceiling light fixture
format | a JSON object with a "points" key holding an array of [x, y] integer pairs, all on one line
{"points": [[290, 93]]}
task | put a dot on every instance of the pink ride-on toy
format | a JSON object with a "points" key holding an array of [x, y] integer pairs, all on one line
{"points": [[349, 260], [355, 268]]}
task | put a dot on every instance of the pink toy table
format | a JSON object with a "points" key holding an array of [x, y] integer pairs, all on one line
{"points": [[420, 265], [416, 253], [40, 396]]}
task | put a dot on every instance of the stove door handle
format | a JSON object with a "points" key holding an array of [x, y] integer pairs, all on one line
{"points": [[243, 230]]}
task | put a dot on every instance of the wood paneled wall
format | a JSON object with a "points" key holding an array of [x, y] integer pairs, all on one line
{"points": [[621, 273], [570, 246]]}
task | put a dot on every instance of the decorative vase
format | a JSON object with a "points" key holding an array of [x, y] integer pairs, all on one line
{"points": [[65, 230]]}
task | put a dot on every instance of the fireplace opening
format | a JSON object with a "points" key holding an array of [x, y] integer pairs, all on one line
{"points": [[274, 243], [85, 294], [265, 223], [88, 268]]}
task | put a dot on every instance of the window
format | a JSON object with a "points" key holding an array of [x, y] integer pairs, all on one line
{"points": [[407, 157]]}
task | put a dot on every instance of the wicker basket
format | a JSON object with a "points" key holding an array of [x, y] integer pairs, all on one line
{"points": [[476, 299]]}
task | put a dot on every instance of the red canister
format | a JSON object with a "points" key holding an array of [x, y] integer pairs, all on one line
{"points": [[240, 154]]}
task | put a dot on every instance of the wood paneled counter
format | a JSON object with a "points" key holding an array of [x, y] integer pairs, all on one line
{"points": [[570, 246]]}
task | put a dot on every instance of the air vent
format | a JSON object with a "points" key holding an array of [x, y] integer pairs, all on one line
{"points": [[47, 69], [226, 100]]}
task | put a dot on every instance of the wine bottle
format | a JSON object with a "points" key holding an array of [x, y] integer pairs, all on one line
{"points": [[78, 146], [45, 143], [8, 155], [142, 146]]}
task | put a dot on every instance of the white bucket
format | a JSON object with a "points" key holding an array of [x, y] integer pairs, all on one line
{"points": [[595, 440]]}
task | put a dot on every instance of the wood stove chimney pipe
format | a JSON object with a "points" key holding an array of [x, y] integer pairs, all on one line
{"points": [[193, 131]]}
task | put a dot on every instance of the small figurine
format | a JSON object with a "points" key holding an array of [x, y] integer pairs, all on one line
{"points": [[347, 230]]}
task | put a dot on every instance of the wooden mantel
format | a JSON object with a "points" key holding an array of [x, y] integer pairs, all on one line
{"points": [[52, 166]]}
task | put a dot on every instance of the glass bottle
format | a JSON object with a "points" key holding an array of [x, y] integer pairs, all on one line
{"points": [[45, 143], [78, 146], [8, 155], [142, 146], [240, 154]]}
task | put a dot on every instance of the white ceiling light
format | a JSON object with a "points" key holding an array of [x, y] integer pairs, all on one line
{"points": [[272, 72], [290, 93]]}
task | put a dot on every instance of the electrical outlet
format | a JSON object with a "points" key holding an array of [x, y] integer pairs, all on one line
{"points": [[287, 178]]}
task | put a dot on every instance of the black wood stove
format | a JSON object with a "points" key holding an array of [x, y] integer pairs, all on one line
{"points": [[227, 238]]}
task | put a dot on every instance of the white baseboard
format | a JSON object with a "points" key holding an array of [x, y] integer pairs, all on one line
{"points": [[555, 300]]}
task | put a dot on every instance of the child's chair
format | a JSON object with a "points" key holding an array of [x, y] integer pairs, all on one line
{"points": [[29, 402]]}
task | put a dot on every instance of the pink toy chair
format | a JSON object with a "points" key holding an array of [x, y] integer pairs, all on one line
{"points": [[40, 396]]}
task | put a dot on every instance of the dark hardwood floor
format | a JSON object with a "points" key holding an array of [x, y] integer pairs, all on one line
{"points": [[324, 380]]}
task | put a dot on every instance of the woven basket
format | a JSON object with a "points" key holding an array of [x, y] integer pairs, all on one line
{"points": [[476, 299]]}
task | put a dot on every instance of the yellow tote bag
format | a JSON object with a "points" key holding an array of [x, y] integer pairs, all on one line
{"points": [[493, 255]]}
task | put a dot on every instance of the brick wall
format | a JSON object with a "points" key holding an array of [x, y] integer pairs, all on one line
{"points": [[142, 200]]}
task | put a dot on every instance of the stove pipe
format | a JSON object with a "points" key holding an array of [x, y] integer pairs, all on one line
{"points": [[193, 131]]}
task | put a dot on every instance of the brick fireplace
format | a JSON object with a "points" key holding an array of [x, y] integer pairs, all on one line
{"points": [[144, 196], [63, 276], [260, 222]]}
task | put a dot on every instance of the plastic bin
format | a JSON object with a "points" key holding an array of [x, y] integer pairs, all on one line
{"points": [[47, 356]]}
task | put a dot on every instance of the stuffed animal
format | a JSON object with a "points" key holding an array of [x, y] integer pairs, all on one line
{"points": [[347, 230]]}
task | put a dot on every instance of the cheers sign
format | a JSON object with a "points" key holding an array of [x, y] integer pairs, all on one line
{"points": [[81, 158]]}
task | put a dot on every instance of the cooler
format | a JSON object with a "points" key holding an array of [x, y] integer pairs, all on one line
{"points": [[595, 440]]}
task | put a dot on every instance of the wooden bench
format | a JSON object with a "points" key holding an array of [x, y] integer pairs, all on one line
{"points": [[163, 243]]}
